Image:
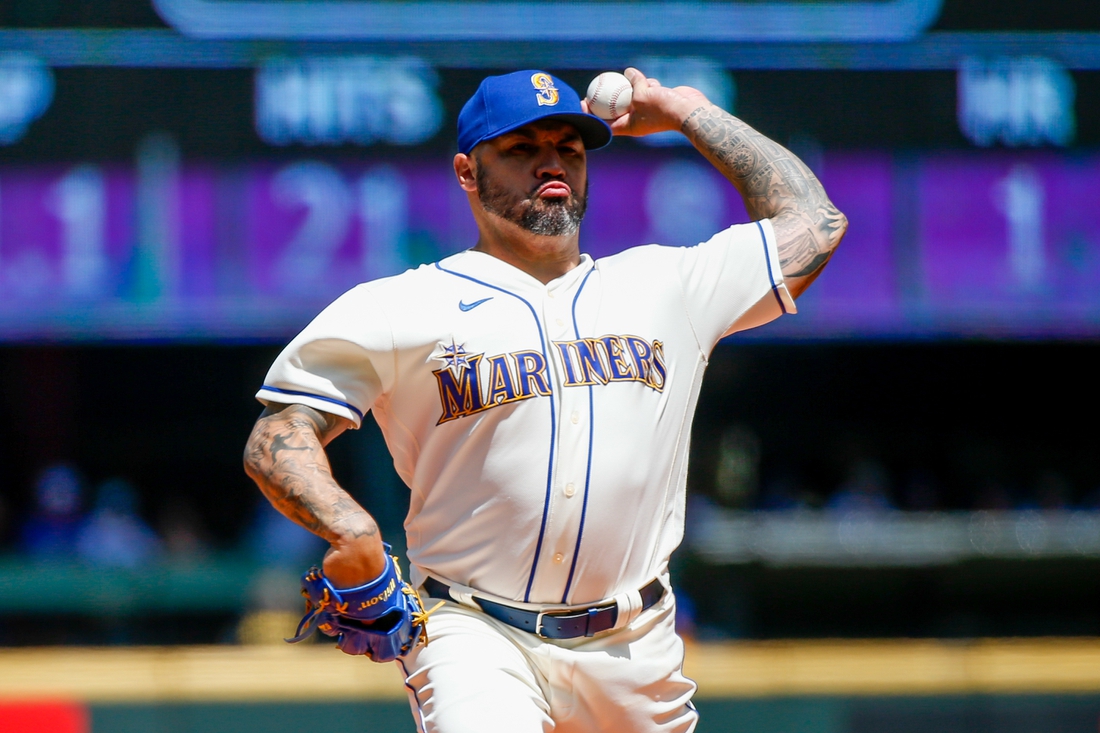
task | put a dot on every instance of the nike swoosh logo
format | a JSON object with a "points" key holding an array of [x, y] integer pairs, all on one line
{"points": [[470, 306]]}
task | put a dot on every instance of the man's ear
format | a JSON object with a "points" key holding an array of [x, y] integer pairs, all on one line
{"points": [[466, 172]]}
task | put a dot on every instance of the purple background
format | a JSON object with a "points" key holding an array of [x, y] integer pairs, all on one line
{"points": [[929, 251], [965, 239]]}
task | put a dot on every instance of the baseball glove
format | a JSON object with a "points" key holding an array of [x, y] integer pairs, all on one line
{"points": [[383, 619]]}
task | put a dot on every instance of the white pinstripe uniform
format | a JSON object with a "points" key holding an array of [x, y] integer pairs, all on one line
{"points": [[543, 433]]}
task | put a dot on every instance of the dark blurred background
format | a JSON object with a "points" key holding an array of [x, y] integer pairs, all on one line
{"points": [[911, 456]]}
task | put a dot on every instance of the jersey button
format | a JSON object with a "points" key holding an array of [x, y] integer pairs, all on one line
{"points": [[559, 558], [570, 489], [560, 322], [575, 417]]}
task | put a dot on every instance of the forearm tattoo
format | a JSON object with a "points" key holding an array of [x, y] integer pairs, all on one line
{"points": [[286, 458], [774, 184]]}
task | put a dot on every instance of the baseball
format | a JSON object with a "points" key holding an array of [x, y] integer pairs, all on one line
{"points": [[609, 95]]}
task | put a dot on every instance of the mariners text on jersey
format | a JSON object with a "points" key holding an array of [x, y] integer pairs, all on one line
{"points": [[470, 383]]}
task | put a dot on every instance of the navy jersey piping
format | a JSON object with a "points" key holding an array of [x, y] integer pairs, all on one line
{"points": [[553, 422], [771, 276], [416, 697], [591, 439], [321, 397]]}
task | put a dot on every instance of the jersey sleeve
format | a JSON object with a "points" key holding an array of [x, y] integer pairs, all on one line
{"points": [[340, 363], [733, 282]]}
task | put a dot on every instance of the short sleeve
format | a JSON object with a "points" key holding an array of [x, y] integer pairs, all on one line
{"points": [[340, 363], [733, 282]]}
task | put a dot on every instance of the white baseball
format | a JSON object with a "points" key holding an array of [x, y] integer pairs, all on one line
{"points": [[610, 95]]}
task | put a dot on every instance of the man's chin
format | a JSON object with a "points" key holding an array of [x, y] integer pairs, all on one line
{"points": [[556, 218], [544, 228]]}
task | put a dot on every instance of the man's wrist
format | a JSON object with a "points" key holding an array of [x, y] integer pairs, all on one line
{"points": [[687, 109], [353, 561], [696, 109]]}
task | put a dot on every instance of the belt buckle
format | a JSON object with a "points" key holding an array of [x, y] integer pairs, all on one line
{"points": [[538, 625]]}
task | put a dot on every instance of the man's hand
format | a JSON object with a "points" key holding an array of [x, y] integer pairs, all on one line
{"points": [[655, 108]]}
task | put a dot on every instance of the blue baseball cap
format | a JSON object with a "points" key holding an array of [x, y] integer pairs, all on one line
{"points": [[505, 103]]}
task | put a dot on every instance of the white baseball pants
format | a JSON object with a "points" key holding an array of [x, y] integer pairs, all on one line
{"points": [[478, 675]]}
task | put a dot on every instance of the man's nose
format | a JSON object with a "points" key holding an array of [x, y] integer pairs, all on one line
{"points": [[550, 164]]}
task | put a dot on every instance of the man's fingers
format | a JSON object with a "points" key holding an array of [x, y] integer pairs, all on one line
{"points": [[620, 125], [637, 79]]}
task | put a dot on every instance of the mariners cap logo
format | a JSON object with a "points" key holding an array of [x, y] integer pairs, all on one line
{"points": [[505, 103], [547, 93]]}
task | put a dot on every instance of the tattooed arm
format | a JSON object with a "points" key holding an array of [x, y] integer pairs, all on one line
{"points": [[775, 185], [285, 456], [773, 182]]}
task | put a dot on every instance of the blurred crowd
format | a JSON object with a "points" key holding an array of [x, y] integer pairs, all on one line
{"points": [[105, 525], [865, 483], [61, 519], [868, 486]]}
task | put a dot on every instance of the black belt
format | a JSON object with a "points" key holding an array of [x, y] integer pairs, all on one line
{"points": [[555, 624]]}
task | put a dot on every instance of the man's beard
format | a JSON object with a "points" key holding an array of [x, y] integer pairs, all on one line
{"points": [[549, 217]]}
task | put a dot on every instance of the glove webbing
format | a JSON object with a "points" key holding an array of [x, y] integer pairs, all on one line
{"points": [[420, 618]]}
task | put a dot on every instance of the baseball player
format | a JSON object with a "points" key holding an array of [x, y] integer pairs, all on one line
{"points": [[538, 405]]}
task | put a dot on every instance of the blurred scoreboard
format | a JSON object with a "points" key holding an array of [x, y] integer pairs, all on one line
{"points": [[176, 172], [982, 244]]}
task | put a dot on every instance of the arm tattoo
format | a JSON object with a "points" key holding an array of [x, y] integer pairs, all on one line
{"points": [[286, 458], [774, 184]]}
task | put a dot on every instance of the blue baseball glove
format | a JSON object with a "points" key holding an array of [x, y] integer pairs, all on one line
{"points": [[383, 619]]}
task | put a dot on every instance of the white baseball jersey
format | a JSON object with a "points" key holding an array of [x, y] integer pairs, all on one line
{"points": [[542, 429]]}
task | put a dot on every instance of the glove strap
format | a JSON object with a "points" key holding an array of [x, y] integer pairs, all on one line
{"points": [[306, 626], [388, 582]]}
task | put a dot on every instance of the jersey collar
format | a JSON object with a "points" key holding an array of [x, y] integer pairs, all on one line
{"points": [[482, 266]]}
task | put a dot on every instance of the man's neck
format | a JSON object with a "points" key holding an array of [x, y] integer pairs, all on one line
{"points": [[543, 258]]}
